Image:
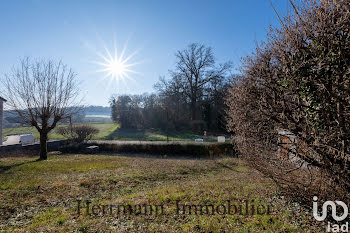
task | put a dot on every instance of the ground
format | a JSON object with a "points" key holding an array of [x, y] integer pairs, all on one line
{"points": [[41, 196], [110, 131], [104, 128]]}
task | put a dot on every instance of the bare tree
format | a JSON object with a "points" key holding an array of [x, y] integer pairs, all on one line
{"points": [[195, 68], [42, 93]]}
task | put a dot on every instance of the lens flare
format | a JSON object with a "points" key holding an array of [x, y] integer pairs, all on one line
{"points": [[117, 67]]}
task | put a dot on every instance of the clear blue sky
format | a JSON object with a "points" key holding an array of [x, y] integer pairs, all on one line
{"points": [[74, 30]]}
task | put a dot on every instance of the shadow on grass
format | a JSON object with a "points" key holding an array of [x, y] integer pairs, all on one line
{"points": [[4, 168], [155, 156], [127, 134], [227, 167], [149, 135]]}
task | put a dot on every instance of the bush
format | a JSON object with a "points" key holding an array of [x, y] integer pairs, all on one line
{"points": [[78, 133], [199, 150], [299, 81], [72, 147]]}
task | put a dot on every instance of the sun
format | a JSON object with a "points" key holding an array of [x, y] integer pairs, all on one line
{"points": [[117, 67]]}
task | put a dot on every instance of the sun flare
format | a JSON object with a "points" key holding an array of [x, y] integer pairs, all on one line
{"points": [[116, 67]]}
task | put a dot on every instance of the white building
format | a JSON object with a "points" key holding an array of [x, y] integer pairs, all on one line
{"points": [[2, 100]]}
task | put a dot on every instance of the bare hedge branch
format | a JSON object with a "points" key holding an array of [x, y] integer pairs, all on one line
{"points": [[299, 80]]}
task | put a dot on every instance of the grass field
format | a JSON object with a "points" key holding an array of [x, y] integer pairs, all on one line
{"points": [[41, 196], [153, 135], [104, 128], [110, 131]]}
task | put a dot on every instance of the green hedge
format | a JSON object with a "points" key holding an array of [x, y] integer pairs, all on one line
{"points": [[206, 150]]}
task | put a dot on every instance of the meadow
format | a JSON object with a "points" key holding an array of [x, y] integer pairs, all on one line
{"points": [[42, 196], [105, 129], [112, 131]]}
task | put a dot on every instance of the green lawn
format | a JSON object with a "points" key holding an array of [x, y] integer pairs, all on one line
{"points": [[104, 128], [41, 196], [154, 135], [112, 131]]}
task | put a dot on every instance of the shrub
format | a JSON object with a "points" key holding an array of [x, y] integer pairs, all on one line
{"points": [[199, 150], [299, 81], [78, 133]]}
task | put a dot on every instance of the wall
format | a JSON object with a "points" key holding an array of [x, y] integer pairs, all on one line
{"points": [[18, 149]]}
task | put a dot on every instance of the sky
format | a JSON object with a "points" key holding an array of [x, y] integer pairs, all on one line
{"points": [[79, 32]]}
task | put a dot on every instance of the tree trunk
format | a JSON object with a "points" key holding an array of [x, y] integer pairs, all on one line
{"points": [[43, 146], [193, 110]]}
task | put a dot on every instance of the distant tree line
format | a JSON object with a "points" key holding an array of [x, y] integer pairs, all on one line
{"points": [[96, 109], [13, 119], [191, 98]]}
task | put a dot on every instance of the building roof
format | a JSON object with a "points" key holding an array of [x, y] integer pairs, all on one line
{"points": [[2, 99]]}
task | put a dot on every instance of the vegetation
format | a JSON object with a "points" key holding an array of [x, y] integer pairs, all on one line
{"points": [[111, 131], [104, 130], [198, 150], [156, 135], [42, 93], [78, 133], [41, 196], [296, 82], [86, 114], [191, 99], [299, 81]]}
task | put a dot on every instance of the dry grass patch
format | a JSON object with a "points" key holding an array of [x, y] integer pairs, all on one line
{"points": [[42, 195]]}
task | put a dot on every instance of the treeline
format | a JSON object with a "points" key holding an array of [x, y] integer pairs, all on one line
{"points": [[96, 109], [13, 119], [191, 98]]}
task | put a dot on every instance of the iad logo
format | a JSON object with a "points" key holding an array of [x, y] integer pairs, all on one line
{"points": [[332, 227]]}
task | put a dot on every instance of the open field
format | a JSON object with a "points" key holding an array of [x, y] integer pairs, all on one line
{"points": [[41, 196], [104, 128], [154, 135], [110, 131]]}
